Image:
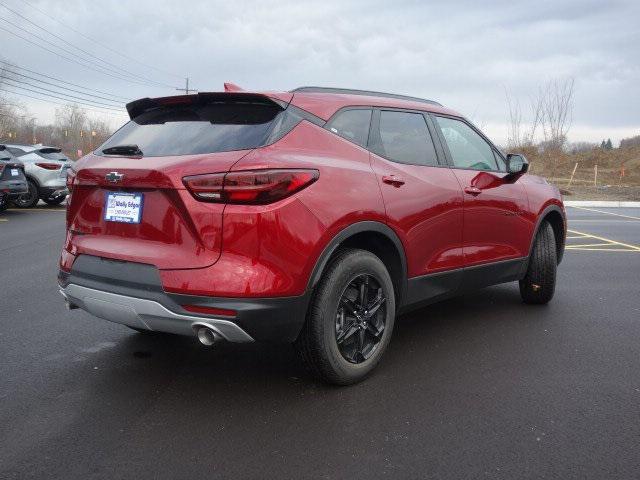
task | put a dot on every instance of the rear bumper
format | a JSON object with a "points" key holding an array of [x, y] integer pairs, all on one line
{"points": [[132, 294], [13, 188], [53, 192], [146, 314]]}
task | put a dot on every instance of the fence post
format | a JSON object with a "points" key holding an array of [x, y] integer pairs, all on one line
{"points": [[595, 176], [572, 174]]}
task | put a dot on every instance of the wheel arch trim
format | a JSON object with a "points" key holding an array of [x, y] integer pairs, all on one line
{"points": [[350, 231], [542, 216]]}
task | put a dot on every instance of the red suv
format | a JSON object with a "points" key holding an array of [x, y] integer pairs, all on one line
{"points": [[314, 216]]}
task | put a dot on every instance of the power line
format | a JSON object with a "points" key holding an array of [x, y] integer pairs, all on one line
{"points": [[99, 43], [58, 103], [63, 98], [75, 57], [69, 59], [13, 65], [57, 86], [59, 93], [126, 72]]}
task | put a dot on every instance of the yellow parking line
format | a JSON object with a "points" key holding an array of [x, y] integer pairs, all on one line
{"points": [[607, 213], [3, 220], [575, 236], [608, 240]]}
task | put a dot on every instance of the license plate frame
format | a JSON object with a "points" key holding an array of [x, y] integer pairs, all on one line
{"points": [[125, 207]]}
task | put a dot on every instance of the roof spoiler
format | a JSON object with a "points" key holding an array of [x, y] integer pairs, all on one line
{"points": [[138, 107], [50, 150]]}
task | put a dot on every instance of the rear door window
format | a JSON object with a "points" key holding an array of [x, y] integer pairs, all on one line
{"points": [[198, 129], [353, 125], [405, 138]]}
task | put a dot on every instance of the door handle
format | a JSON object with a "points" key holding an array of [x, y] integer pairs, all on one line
{"points": [[475, 191], [393, 180]]}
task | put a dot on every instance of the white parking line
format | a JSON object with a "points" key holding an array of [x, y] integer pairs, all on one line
{"points": [[607, 213]]}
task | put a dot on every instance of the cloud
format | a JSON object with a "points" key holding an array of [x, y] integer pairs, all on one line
{"points": [[462, 53]]}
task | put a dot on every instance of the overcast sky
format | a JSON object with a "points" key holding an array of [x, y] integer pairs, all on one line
{"points": [[464, 54]]}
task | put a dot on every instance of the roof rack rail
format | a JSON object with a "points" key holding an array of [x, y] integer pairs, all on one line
{"points": [[349, 91]]}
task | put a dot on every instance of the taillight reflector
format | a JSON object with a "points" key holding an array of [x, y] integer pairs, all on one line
{"points": [[250, 187], [49, 166]]}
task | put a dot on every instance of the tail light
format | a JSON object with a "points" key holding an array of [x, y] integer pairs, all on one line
{"points": [[49, 166], [71, 177], [252, 187]]}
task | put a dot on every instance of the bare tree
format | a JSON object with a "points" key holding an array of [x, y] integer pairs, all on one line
{"points": [[555, 106]]}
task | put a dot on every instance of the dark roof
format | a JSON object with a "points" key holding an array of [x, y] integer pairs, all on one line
{"points": [[349, 91]]}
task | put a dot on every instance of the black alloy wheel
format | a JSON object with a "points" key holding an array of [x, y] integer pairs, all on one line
{"points": [[360, 318]]}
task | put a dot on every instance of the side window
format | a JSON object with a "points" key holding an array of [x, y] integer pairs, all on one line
{"points": [[352, 125], [467, 148], [405, 138]]}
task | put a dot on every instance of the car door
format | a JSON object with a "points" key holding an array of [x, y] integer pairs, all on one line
{"points": [[495, 226], [422, 198]]}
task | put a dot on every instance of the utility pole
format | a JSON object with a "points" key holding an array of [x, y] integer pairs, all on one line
{"points": [[186, 89]]}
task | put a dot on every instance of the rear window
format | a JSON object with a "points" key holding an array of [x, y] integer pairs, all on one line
{"points": [[52, 154], [16, 151], [5, 154], [197, 129]]}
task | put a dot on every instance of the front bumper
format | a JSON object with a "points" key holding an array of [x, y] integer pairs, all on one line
{"points": [[132, 294]]}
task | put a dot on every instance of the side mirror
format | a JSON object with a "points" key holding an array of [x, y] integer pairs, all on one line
{"points": [[516, 164]]}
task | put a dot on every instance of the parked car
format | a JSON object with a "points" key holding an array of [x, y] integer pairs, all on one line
{"points": [[46, 171], [12, 180], [314, 216]]}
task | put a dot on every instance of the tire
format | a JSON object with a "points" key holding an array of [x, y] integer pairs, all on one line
{"points": [[4, 202], [330, 316], [539, 283], [28, 200], [54, 201]]}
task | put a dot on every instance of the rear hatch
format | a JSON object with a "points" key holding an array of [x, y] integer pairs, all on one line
{"points": [[11, 170], [128, 199], [54, 155]]}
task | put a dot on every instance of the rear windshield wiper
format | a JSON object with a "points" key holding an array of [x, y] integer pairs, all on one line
{"points": [[123, 150]]}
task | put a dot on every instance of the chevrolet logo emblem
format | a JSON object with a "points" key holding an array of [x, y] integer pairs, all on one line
{"points": [[114, 177]]}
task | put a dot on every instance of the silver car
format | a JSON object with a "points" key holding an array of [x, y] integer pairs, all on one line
{"points": [[46, 172]]}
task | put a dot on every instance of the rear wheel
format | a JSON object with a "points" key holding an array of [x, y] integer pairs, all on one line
{"points": [[538, 285], [54, 201], [350, 319], [4, 202], [29, 199]]}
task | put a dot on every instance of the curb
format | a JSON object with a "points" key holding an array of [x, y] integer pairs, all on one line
{"points": [[601, 203]]}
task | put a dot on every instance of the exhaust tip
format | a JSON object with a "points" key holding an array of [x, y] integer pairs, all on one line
{"points": [[207, 336]]}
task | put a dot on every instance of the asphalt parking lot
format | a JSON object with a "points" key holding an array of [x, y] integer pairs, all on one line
{"points": [[479, 386]]}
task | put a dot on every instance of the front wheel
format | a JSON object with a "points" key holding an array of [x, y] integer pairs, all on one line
{"points": [[539, 283], [350, 318]]}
